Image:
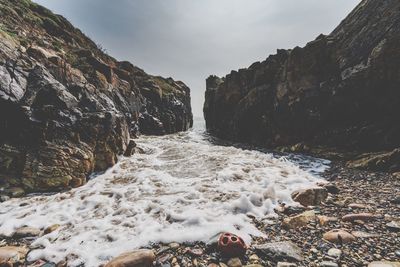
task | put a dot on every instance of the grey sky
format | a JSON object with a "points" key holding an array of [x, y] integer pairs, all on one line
{"points": [[191, 39]]}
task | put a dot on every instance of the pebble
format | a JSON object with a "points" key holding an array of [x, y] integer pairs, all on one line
{"points": [[384, 264], [361, 234], [277, 251], [324, 220], [300, 220], [394, 226], [234, 262], [339, 236], [335, 253], [138, 258], [51, 229], [359, 217], [286, 264], [328, 264]]}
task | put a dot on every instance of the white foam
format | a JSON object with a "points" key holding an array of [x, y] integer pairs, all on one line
{"points": [[182, 189]]}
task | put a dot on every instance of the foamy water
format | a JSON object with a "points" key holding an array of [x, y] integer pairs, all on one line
{"points": [[182, 188]]}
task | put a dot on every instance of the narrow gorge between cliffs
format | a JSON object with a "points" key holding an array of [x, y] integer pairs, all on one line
{"points": [[184, 187]]}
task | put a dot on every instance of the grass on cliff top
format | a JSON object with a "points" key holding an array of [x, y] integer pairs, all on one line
{"points": [[165, 86]]}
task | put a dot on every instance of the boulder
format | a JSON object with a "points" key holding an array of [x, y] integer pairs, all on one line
{"points": [[310, 196], [138, 258]]}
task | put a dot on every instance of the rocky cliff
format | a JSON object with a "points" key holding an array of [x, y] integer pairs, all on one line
{"points": [[340, 91], [66, 107]]}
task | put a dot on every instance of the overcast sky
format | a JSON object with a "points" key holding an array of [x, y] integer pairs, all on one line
{"points": [[191, 39]]}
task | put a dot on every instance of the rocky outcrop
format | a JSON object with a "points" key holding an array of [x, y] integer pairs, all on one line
{"points": [[66, 107], [340, 90]]}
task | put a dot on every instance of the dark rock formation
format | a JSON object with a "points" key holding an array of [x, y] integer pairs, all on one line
{"points": [[67, 108], [340, 90]]}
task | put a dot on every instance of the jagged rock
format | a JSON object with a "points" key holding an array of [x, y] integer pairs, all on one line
{"points": [[339, 91], [280, 251], [139, 258], [67, 108], [300, 220], [339, 236], [310, 196]]}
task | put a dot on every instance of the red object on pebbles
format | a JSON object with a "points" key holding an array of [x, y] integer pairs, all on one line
{"points": [[231, 245]]}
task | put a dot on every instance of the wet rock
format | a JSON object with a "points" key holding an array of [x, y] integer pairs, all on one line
{"points": [[26, 232], [130, 150], [311, 196], [15, 192], [12, 254], [300, 220], [139, 258], [51, 229], [359, 217], [234, 262], [280, 251], [339, 236], [384, 264], [4, 198]]}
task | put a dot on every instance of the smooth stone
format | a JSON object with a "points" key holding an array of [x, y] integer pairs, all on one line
{"points": [[26, 232], [234, 262], [328, 264], [335, 253], [361, 234], [311, 196], [300, 220], [286, 264], [384, 264], [280, 251], [359, 217], [138, 258], [339, 236]]}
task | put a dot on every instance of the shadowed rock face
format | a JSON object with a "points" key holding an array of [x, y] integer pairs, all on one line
{"points": [[340, 90], [66, 107]]}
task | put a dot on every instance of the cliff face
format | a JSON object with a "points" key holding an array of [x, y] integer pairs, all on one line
{"points": [[340, 90], [67, 108]]}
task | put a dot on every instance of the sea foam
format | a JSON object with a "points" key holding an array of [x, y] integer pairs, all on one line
{"points": [[181, 188]]}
